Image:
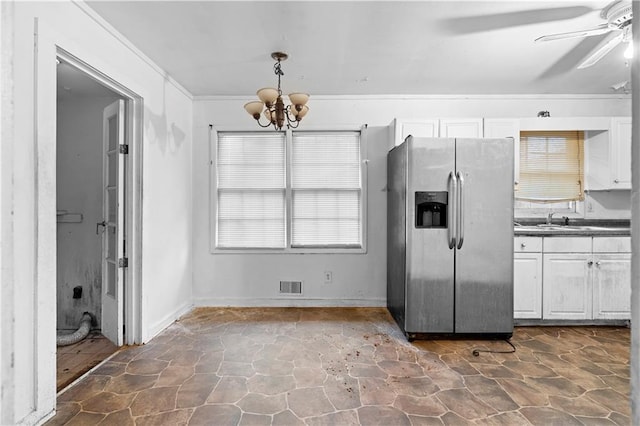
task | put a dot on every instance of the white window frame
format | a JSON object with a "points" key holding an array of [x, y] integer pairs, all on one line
{"points": [[288, 249]]}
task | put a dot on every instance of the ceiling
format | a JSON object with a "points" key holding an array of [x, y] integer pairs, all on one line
{"points": [[73, 83], [371, 48]]}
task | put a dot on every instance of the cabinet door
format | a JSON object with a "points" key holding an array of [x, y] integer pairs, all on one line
{"points": [[612, 286], [427, 128], [527, 285], [567, 286], [620, 153], [461, 128], [506, 128]]}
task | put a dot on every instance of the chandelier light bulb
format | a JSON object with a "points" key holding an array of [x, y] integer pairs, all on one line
{"points": [[254, 108]]}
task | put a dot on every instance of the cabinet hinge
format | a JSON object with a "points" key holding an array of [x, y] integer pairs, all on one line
{"points": [[123, 262], [124, 149]]}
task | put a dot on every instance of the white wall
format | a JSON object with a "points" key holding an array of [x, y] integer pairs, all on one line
{"points": [[252, 279], [635, 234], [79, 191], [29, 395], [608, 204], [7, 240]]}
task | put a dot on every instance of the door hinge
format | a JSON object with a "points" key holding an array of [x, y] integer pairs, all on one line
{"points": [[124, 149], [123, 262]]}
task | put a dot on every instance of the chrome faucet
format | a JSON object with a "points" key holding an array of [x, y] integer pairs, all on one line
{"points": [[549, 216]]}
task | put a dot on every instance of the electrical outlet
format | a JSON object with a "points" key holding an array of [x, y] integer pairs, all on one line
{"points": [[328, 276]]}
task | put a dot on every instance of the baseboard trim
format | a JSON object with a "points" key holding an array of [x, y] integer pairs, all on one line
{"points": [[166, 321], [288, 302]]}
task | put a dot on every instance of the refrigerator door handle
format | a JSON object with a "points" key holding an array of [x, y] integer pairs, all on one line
{"points": [[460, 210], [451, 224]]}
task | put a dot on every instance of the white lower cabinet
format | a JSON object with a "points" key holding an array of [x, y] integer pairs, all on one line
{"points": [[567, 286], [527, 278], [612, 286], [583, 278]]}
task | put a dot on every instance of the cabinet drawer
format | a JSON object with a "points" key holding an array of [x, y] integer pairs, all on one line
{"points": [[527, 244], [567, 245], [612, 244]]}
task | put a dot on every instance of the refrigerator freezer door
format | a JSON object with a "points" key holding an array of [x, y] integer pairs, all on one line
{"points": [[484, 262], [397, 232], [429, 297]]}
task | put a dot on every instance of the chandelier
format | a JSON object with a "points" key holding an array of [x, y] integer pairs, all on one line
{"points": [[272, 106]]}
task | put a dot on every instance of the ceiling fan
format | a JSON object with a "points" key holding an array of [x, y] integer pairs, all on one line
{"points": [[618, 16]]}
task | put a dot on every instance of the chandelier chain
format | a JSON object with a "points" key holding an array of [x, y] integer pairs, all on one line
{"points": [[277, 69]]}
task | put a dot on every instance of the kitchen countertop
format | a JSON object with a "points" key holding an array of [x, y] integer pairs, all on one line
{"points": [[580, 229]]}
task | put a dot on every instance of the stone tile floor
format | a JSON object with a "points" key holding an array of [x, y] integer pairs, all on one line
{"points": [[344, 366]]}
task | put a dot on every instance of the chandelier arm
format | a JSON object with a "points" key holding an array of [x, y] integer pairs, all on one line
{"points": [[263, 125], [290, 124], [290, 118]]}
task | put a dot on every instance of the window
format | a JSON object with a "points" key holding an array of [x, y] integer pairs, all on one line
{"points": [[551, 170], [291, 191], [251, 190]]}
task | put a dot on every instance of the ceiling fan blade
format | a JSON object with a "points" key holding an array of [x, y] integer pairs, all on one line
{"points": [[600, 29], [478, 23], [600, 53]]}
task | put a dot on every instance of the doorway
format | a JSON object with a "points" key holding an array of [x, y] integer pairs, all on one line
{"points": [[91, 212]]}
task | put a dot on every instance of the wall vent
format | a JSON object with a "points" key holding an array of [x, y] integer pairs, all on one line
{"points": [[290, 287]]}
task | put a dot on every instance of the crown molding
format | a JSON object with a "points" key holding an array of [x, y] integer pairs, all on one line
{"points": [[429, 97]]}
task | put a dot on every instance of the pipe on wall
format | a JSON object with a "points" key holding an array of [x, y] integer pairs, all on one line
{"points": [[79, 334]]}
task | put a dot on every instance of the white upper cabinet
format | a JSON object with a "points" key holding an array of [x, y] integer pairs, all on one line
{"points": [[461, 127], [608, 156], [400, 129], [506, 128], [620, 153]]}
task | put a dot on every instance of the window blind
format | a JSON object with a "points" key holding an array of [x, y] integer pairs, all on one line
{"points": [[251, 190], [551, 166], [326, 190]]}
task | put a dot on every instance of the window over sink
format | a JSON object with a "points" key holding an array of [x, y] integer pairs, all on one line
{"points": [[551, 172]]}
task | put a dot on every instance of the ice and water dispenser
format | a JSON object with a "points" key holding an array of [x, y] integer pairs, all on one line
{"points": [[431, 209]]}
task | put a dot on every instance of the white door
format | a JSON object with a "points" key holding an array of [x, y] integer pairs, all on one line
{"points": [[527, 285], [113, 256], [612, 286], [620, 153], [567, 286], [427, 128], [461, 128]]}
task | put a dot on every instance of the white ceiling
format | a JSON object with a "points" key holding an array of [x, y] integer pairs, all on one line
{"points": [[371, 48], [73, 83]]}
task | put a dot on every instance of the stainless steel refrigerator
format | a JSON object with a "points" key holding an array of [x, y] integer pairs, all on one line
{"points": [[450, 236]]}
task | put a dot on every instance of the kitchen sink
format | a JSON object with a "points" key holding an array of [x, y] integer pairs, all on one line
{"points": [[552, 226]]}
